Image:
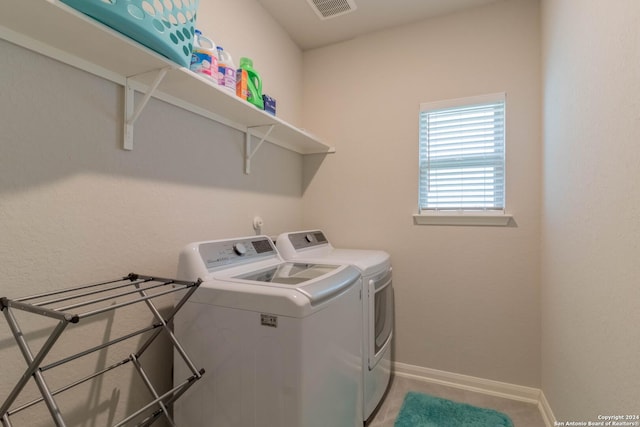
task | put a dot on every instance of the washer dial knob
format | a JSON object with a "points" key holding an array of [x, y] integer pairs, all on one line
{"points": [[240, 249]]}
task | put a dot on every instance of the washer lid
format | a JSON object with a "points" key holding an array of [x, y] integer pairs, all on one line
{"points": [[318, 282], [289, 273]]}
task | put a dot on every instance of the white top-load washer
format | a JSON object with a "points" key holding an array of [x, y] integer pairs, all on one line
{"points": [[279, 341], [377, 308]]}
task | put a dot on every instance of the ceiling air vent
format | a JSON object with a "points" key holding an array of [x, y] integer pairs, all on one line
{"points": [[326, 9]]}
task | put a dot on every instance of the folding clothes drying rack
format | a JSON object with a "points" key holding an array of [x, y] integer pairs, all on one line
{"points": [[98, 298]]}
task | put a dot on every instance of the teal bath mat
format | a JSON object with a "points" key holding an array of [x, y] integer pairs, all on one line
{"points": [[422, 410]]}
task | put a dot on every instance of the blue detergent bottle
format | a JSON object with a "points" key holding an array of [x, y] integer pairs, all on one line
{"points": [[254, 83]]}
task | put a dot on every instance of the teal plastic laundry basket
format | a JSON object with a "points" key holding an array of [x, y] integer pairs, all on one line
{"points": [[166, 26]]}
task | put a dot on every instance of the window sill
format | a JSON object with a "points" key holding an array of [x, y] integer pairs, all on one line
{"points": [[494, 220]]}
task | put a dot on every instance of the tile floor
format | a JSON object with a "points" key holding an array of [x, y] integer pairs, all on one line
{"points": [[522, 414]]}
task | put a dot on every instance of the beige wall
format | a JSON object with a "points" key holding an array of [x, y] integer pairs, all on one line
{"points": [[75, 208], [467, 298], [591, 208]]}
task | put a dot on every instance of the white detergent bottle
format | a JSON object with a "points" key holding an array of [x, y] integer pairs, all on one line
{"points": [[226, 70], [203, 59]]}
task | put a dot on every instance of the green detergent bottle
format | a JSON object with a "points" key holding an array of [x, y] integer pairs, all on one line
{"points": [[254, 83]]}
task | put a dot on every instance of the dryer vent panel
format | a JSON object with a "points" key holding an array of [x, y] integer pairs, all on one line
{"points": [[326, 9]]}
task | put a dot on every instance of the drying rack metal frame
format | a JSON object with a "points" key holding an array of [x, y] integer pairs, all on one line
{"points": [[98, 298]]}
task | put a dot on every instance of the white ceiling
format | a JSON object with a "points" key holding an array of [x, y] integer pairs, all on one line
{"points": [[309, 31]]}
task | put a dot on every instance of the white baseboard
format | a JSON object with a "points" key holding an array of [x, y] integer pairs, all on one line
{"points": [[479, 385], [545, 410]]}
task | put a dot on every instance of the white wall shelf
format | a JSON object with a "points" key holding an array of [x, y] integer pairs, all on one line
{"points": [[53, 29]]}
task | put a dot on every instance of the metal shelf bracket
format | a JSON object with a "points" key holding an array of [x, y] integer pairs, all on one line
{"points": [[248, 152], [131, 113]]}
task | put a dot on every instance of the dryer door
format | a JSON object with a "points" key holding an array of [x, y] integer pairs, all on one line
{"points": [[380, 317]]}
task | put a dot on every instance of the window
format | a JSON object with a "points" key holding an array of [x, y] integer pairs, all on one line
{"points": [[462, 161]]}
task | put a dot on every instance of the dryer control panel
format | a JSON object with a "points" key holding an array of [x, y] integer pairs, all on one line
{"points": [[225, 252], [307, 239]]}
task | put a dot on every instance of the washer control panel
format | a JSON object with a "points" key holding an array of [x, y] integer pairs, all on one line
{"points": [[307, 239], [224, 252]]}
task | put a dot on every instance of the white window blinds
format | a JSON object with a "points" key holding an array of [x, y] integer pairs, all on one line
{"points": [[462, 147]]}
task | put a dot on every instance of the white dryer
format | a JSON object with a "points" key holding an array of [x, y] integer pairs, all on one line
{"points": [[279, 341], [377, 303]]}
